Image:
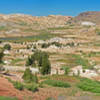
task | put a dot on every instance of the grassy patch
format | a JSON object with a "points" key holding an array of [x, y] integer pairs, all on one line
{"points": [[57, 83], [89, 85], [31, 87], [7, 98]]}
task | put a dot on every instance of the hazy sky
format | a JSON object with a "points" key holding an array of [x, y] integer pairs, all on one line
{"points": [[48, 7]]}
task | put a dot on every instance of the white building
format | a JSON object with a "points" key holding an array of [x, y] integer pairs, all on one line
{"points": [[86, 23]]}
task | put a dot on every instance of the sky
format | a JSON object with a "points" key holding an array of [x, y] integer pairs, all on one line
{"points": [[48, 7]]}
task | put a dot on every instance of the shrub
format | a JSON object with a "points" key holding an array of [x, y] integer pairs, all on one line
{"points": [[32, 87], [41, 85], [66, 69], [56, 83], [7, 47], [18, 85], [44, 45], [56, 44], [70, 44]]}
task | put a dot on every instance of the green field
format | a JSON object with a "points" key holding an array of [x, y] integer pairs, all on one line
{"points": [[7, 98]]}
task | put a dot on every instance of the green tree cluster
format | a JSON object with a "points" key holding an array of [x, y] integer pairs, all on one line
{"points": [[40, 59]]}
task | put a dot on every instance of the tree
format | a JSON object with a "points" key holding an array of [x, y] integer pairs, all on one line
{"points": [[7, 47], [41, 60], [1, 56], [29, 61], [46, 67], [29, 77], [67, 70]]}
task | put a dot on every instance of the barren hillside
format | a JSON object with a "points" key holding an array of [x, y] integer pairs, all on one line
{"points": [[25, 25]]}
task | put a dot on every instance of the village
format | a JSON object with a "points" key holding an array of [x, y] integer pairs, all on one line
{"points": [[50, 57], [15, 58]]}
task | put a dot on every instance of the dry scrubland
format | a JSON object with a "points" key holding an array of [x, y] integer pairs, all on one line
{"points": [[73, 50]]}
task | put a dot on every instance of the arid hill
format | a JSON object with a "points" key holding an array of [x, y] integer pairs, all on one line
{"points": [[91, 16], [26, 25]]}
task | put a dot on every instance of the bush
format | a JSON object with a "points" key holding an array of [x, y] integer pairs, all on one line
{"points": [[89, 85], [18, 85], [44, 45], [56, 44], [56, 83], [7, 47], [66, 69], [32, 87]]}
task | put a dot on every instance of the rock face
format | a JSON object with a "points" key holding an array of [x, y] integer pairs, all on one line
{"points": [[91, 16]]}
